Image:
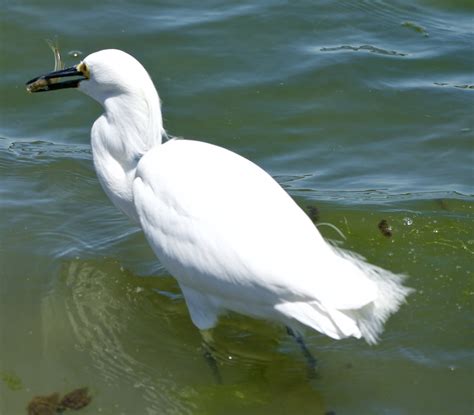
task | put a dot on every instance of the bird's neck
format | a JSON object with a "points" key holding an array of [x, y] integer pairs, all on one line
{"points": [[130, 126]]}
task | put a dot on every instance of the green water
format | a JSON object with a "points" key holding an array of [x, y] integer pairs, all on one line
{"points": [[363, 109]]}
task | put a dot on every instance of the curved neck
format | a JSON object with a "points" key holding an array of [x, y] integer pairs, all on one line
{"points": [[130, 126], [134, 124]]}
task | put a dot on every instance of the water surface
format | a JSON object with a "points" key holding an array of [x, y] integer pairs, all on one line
{"points": [[362, 109]]}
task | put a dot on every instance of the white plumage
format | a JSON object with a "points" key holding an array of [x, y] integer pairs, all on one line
{"points": [[230, 235]]}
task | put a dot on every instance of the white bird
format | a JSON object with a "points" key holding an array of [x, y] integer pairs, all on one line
{"points": [[222, 226]]}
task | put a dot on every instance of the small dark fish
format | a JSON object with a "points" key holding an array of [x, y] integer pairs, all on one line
{"points": [[313, 213], [442, 204], [41, 84], [385, 228]]}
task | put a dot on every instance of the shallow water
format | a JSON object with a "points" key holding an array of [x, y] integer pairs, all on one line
{"points": [[363, 109]]}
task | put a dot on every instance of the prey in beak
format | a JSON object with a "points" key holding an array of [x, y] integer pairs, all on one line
{"points": [[64, 78]]}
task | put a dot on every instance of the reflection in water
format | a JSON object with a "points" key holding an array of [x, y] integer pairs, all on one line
{"points": [[137, 338], [108, 311]]}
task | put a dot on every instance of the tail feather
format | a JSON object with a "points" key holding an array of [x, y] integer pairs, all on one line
{"points": [[367, 321], [313, 315], [391, 294]]}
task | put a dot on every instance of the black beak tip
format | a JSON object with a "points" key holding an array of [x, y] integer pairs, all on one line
{"points": [[32, 80]]}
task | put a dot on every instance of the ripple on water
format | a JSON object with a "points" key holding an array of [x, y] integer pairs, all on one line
{"points": [[42, 151]]}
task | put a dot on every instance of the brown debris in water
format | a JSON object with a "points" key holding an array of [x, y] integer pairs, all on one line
{"points": [[51, 405], [43, 405], [77, 399], [385, 228]]}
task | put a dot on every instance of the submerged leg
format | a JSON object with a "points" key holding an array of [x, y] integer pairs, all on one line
{"points": [[204, 316], [310, 359], [209, 355]]}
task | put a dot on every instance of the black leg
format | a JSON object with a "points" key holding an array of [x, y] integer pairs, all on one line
{"points": [[310, 359], [209, 356]]}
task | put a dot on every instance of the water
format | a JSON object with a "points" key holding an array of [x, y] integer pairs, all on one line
{"points": [[363, 109]]}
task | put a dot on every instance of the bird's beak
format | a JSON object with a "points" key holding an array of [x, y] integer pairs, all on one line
{"points": [[64, 78]]}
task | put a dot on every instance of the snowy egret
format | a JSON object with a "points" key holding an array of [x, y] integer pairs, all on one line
{"points": [[204, 211]]}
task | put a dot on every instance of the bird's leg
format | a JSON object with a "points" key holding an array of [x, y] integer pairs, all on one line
{"points": [[209, 356], [310, 359]]}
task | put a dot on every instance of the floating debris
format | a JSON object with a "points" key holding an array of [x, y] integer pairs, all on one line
{"points": [[368, 48], [313, 213], [385, 228], [416, 27], [12, 381], [463, 86], [43, 405]]}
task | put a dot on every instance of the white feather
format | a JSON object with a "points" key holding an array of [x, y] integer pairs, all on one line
{"points": [[232, 237]]}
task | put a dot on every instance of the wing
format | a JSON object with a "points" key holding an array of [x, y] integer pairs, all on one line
{"points": [[223, 226]]}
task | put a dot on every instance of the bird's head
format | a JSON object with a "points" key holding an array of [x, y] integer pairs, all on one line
{"points": [[100, 75]]}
